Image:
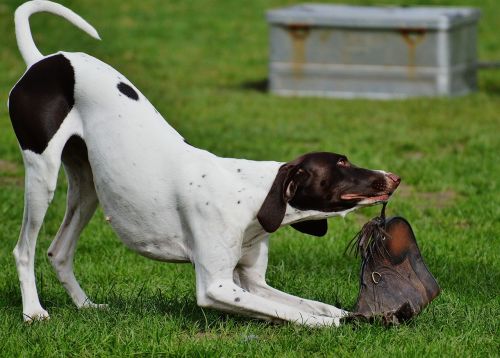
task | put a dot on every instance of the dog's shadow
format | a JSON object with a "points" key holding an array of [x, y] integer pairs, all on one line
{"points": [[469, 279], [128, 306]]}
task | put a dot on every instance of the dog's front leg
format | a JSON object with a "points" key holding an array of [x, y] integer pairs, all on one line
{"points": [[252, 275], [215, 288]]}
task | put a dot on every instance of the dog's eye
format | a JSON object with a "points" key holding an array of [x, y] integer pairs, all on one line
{"points": [[343, 163]]}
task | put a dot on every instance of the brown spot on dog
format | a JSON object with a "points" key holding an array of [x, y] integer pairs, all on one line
{"points": [[127, 91], [41, 100]]}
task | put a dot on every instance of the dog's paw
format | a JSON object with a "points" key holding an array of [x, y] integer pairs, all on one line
{"points": [[344, 313], [35, 315]]}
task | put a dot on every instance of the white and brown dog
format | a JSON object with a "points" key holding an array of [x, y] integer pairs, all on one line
{"points": [[165, 199]]}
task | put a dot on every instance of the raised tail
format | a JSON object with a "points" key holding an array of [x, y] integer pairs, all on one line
{"points": [[25, 42]]}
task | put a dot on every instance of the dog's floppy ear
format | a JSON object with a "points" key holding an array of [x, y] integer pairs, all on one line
{"points": [[284, 187], [312, 227], [273, 208]]}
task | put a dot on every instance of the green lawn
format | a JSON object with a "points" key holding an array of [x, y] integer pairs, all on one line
{"points": [[194, 60]]}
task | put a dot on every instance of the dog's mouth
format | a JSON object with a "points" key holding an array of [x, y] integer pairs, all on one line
{"points": [[366, 200], [381, 194]]}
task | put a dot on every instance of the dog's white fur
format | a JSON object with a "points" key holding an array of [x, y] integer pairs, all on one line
{"points": [[164, 198]]}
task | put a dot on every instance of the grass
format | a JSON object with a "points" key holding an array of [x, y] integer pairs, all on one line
{"points": [[194, 61]]}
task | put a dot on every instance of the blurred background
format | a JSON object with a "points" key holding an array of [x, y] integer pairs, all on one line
{"points": [[204, 65]]}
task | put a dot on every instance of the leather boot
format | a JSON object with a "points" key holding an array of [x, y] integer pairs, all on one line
{"points": [[395, 282]]}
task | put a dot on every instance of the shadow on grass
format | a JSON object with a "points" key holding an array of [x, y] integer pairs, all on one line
{"points": [[492, 88], [125, 306], [471, 281], [488, 80], [261, 86]]}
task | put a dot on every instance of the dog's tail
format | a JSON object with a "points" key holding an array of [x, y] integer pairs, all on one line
{"points": [[25, 42]]}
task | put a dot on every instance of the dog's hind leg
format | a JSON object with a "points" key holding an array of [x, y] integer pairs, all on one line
{"points": [[81, 205], [41, 108], [40, 183]]}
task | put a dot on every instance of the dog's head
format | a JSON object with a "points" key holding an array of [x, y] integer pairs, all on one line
{"points": [[324, 182]]}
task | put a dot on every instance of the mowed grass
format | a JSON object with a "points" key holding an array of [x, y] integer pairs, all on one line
{"points": [[196, 61]]}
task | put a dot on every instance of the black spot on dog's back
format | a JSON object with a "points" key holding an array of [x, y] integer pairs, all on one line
{"points": [[128, 91], [41, 100]]}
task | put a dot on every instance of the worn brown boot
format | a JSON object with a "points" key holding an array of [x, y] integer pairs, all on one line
{"points": [[395, 282]]}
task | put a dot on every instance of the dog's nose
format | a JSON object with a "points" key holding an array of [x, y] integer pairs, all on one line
{"points": [[393, 177]]}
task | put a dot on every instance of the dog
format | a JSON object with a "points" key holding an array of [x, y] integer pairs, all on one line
{"points": [[165, 199]]}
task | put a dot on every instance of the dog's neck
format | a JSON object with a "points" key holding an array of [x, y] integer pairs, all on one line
{"points": [[258, 177], [293, 215]]}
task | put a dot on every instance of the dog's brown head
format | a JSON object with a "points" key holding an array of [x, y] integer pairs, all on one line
{"points": [[325, 182]]}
